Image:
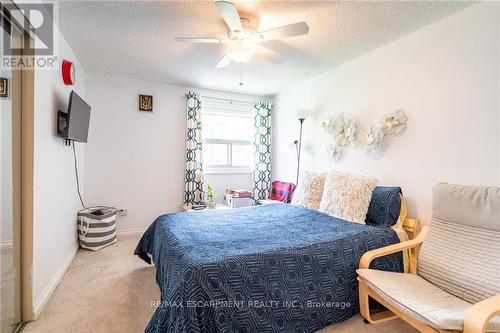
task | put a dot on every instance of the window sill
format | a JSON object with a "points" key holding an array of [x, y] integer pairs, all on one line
{"points": [[227, 171]]}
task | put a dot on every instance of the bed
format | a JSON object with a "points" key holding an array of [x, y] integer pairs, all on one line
{"points": [[270, 268]]}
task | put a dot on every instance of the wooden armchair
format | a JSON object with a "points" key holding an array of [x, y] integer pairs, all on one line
{"points": [[455, 286]]}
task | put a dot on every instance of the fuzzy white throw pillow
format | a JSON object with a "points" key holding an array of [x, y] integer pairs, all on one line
{"points": [[347, 196], [309, 191]]}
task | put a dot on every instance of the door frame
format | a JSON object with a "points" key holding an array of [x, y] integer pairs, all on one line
{"points": [[27, 185], [23, 171]]}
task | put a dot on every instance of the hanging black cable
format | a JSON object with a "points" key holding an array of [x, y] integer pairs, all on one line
{"points": [[76, 175]]}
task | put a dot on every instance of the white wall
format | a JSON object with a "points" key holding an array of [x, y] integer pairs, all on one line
{"points": [[445, 76], [55, 199], [498, 81], [136, 160]]}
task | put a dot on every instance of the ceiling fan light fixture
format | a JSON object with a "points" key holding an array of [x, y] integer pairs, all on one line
{"points": [[244, 38], [243, 53]]}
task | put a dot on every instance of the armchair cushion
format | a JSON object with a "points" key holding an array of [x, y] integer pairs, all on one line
{"points": [[461, 252], [421, 300], [473, 206]]}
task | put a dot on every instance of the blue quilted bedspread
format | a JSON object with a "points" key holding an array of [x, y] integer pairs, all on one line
{"points": [[271, 268]]}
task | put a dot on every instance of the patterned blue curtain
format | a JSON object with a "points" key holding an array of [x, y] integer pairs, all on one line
{"points": [[193, 189], [262, 157]]}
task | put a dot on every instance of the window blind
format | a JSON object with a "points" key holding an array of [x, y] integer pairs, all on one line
{"points": [[221, 105]]}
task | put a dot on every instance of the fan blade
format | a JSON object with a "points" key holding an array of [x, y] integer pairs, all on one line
{"points": [[271, 55], [290, 30], [201, 40], [230, 15], [225, 61]]}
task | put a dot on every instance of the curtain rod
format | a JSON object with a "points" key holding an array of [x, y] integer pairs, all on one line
{"points": [[226, 99]]}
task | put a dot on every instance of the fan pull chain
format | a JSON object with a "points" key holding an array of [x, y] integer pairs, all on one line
{"points": [[241, 74]]}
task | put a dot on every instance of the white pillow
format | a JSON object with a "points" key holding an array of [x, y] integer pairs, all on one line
{"points": [[309, 191], [347, 196]]}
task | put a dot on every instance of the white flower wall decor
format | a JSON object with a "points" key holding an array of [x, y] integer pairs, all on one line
{"points": [[334, 151], [343, 128], [371, 139], [346, 132], [328, 125], [394, 122]]}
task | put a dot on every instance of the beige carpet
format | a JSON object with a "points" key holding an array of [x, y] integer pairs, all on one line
{"points": [[7, 288], [111, 291]]}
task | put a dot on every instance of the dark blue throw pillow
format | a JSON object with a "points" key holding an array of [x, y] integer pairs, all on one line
{"points": [[385, 206]]}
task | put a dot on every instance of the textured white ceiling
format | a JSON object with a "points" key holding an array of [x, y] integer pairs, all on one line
{"points": [[136, 39]]}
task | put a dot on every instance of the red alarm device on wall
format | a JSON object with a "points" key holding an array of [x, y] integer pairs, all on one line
{"points": [[68, 72]]}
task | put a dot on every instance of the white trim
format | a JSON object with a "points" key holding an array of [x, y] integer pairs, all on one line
{"points": [[54, 283], [133, 231]]}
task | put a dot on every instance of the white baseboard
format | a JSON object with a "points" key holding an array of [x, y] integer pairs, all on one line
{"points": [[49, 290], [127, 232]]}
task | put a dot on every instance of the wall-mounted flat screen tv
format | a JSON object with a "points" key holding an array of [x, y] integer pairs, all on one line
{"points": [[74, 125]]}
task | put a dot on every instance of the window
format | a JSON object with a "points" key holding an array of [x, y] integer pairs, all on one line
{"points": [[228, 131]]}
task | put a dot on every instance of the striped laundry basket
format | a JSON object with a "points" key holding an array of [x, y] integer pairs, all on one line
{"points": [[97, 227]]}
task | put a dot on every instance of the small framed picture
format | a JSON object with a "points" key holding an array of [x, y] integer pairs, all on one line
{"points": [[146, 103], [4, 87]]}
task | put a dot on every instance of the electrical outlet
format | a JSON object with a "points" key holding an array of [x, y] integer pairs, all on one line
{"points": [[123, 212]]}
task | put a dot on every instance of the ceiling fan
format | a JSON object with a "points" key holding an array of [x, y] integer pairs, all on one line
{"points": [[243, 39]]}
